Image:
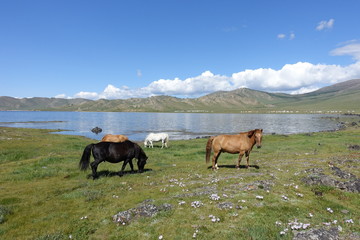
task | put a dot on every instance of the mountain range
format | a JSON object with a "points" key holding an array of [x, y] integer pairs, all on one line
{"points": [[341, 97]]}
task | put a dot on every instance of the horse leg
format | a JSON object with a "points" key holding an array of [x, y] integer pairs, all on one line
{"points": [[162, 143], [215, 159], [94, 166], [123, 167], [131, 166], [239, 159], [247, 155], [241, 154], [151, 144]]}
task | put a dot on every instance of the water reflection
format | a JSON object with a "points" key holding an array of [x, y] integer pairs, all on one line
{"points": [[177, 125]]}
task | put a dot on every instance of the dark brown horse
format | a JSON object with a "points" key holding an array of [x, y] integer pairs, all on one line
{"points": [[241, 143], [113, 153]]}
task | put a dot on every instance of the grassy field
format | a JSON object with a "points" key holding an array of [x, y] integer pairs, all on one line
{"points": [[43, 194]]}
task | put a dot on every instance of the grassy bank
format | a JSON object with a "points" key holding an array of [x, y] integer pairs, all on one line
{"points": [[43, 194]]}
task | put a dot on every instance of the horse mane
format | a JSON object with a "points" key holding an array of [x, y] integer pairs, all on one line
{"points": [[139, 150], [251, 133]]}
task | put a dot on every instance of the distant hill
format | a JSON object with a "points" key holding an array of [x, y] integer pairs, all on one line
{"points": [[37, 103], [344, 97]]}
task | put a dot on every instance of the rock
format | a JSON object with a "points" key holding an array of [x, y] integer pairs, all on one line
{"points": [[318, 178], [4, 211], [145, 209], [318, 234], [354, 147], [96, 130], [351, 236], [314, 170], [353, 186], [338, 172], [226, 205]]}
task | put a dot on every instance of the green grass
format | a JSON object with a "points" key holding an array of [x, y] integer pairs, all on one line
{"points": [[43, 194]]}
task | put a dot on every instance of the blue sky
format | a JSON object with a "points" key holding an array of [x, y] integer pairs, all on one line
{"points": [[184, 48]]}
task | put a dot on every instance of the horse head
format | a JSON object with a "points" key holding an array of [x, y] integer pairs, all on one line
{"points": [[258, 137], [141, 160], [257, 134], [145, 143]]}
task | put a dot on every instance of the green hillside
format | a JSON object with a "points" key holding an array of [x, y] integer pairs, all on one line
{"points": [[342, 97]]}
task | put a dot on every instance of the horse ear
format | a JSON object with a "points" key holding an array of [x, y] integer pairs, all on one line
{"points": [[251, 133]]}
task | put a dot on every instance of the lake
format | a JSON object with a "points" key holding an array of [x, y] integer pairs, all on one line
{"points": [[137, 125]]}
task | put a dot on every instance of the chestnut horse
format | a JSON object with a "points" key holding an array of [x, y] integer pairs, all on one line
{"points": [[114, 138], [241, 143]]}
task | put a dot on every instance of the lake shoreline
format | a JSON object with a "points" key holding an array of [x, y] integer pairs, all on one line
{"points": [[179, 126], [352, 120]]}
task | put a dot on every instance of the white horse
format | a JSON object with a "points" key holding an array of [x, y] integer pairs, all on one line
{"points": [[156, 137]]}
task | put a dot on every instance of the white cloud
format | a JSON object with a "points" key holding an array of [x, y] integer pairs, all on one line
{"points": [[352, 49], [304, 90], [138, 73], [300, 77], [87, 95], [61, 96], [295, 76], [292, 36], [112, 92], [325, 24], [206, 82], [281, 36]]}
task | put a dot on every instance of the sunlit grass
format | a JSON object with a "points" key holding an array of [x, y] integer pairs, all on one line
{"points": [[43, 194]]}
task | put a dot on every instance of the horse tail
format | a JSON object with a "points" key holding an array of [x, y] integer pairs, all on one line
{"points": [[85, 159], [208, 149]]}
